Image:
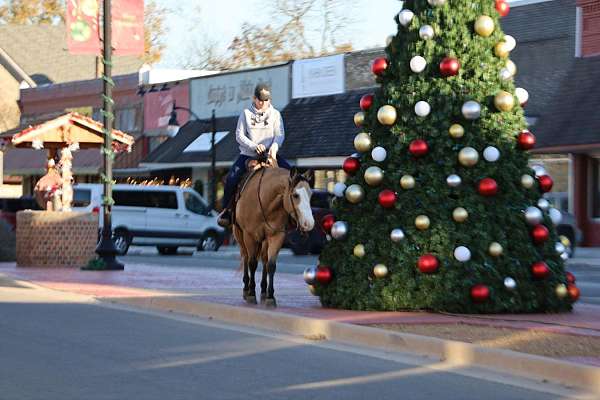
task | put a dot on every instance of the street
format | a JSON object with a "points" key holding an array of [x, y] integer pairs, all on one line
{"points": [[57, 346], [588, 276]]}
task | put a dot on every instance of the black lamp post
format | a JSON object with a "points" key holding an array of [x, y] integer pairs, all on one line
{"points": [[173, 128]]}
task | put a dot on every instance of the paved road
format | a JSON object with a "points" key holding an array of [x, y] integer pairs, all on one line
{"points": [[72, 350]]}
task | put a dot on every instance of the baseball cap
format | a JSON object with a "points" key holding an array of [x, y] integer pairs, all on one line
{"points": [[262, 92]]}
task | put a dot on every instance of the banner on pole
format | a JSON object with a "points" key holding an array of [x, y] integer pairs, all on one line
{"points": [[128, 27], [83, 27]]}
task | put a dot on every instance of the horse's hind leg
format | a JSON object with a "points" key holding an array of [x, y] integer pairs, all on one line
{"points": [[252, 249], [274, 245], [264, 255], [244, 260]]}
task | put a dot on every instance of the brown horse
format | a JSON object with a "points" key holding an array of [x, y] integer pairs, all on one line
{"points": [[269, 199]]}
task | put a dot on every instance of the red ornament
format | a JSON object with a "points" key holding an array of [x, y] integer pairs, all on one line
{"points": [[379, 66], [488, 187], [387, 198], [428, 264], [570, 277], [526, 140], [540, 234], [324, 274], [573, 292], [540, 270], [546, 183], [480, 293], [449, 67], [327, 222], [351, 165], [366, 102], [502, 7], [418, 148]]}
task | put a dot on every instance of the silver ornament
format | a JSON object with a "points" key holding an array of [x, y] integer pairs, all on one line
{"points": [[543, 204], [339, 189], [510, 283], [560, 248], [397, 235], [539, 170], [533, 216], [405, 17], [379, 154], [471, 110], [564, 256], [491, 154], [555, 216], [453, 180], [436, 3], [426, 32], [422, 108], [418, 64], [510, 41], [505, 74], [462, 253], [339, 230], [310, 275], [522, 95]]}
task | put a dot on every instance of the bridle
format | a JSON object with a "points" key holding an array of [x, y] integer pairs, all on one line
{"points": [[294, 214]]}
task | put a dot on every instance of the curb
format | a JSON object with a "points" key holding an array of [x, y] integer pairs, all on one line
{"points": [[453, 352]]}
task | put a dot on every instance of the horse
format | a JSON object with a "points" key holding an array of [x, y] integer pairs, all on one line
{"points": [[269, 198]]}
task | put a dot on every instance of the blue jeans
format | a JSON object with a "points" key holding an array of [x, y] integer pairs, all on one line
{"points": [[236, 173]]}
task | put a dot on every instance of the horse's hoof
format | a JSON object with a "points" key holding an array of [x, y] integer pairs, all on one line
{"points": [[251, 299], [271, 303], [263, 298], [245, 294]]}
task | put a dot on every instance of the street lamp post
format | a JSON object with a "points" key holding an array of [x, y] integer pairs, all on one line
{"points": [[173, 128]]}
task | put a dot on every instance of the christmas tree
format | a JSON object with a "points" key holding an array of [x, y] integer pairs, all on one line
{"points": [[441, 210]]}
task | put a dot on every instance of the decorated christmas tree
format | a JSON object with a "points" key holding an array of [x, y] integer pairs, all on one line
{"points": [[441, 210]]}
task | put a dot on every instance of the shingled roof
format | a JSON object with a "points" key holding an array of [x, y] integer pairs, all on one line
{"points": [[41, 51]]}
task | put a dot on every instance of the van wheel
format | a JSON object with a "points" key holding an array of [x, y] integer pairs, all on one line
{"points": [[167, 251], [210, 242], [122, 240]]}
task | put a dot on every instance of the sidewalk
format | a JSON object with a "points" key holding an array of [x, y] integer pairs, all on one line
{"points": [[586, 256]]}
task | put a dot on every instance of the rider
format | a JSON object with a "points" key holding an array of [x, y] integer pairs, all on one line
{"points": [[259, 132]]}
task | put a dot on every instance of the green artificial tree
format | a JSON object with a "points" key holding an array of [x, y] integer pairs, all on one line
{"points": [[441, 210]]}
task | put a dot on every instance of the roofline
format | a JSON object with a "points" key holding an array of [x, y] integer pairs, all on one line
{"points": [[14, 69], [518, 3], [236, 71]]}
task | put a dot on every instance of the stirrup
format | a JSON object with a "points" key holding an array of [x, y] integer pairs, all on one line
{"points": [[224, 219]]}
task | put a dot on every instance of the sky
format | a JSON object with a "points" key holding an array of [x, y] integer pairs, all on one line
{"points": [[220, 21]]}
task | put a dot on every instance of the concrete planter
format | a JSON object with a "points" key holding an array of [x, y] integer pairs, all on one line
{"points": [[55, 239]]}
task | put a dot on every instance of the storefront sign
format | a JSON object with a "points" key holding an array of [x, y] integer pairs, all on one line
{"points": [[318, 76]]}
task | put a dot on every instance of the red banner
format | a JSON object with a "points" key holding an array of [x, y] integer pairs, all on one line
{"points": [[128, 27], [83, 27]]}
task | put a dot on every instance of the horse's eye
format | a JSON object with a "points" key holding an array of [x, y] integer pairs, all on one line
{"points": [[296, 195]]}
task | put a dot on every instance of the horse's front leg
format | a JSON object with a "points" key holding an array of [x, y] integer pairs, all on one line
{"points": [[263, 282], [274, 245], [252, 251]]}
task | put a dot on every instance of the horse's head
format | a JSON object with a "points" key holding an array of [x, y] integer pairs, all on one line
{"points": [[298, 205]]}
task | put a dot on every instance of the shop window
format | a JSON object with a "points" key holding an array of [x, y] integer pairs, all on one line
{"points": [[559, 168], [126, 120]]}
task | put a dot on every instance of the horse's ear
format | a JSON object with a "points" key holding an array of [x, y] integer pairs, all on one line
{"points": [[293, 173], [308, 175]]}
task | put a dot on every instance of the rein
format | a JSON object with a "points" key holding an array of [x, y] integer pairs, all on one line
{"points": [[262, 210]]}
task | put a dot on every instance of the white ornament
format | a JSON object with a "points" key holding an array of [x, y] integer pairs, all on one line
{"points": [[422, 108], [491, 154], [555, 216], [462, 254], [533, 216], [405, 17], [436, 3], [510, 41], [339, 230], [539, 170], [426, 32], [543, 204], [471, 110], [397, 235], [339, 189], [505, 74], [418, 64], [564, 256], [379, 154], [522, 95], [560, 248], [510, 283], [310, 275], [453, 180]]}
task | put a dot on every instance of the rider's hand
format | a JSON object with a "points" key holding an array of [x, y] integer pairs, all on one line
{"points": [[261, 149]]}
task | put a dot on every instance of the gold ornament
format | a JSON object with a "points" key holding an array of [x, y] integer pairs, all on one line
{"points": [[561, 291], [457, 131], [380, 271], [363, 142], [359, 119], [527, 181], [373, 176], [564, 240], [468, 157], [387, 115], [312, 289], [511, 67], [460, 214], [422, 222], [484, 26], [504, 101], [495, 249], [355, 194], [407, 182], [502, 50], [359, 251]]}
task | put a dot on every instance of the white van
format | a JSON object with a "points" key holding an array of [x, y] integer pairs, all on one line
{"points": [[163, 216]]}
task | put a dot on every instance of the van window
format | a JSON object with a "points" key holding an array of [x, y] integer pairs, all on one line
{"points": [[82, 197], [129, 198], [194, 204], [161, 200]]}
